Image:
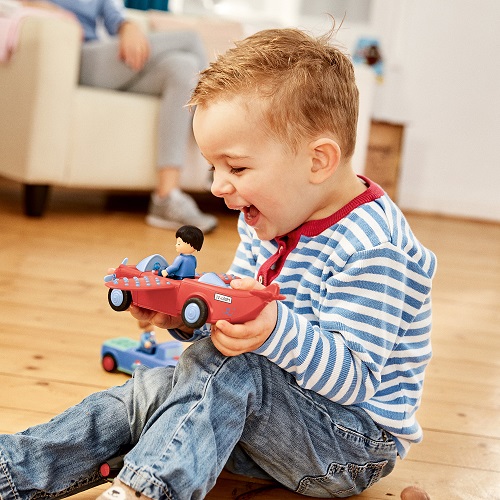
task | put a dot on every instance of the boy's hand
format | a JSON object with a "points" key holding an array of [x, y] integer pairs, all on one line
{"points": [[232, 340], [161, 320]]}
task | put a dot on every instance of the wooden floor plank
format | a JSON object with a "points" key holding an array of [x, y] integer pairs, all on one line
{"points": [[44, 395]]}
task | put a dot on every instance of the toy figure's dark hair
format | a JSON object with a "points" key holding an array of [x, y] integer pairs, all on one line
{"points": [[191, 235]]}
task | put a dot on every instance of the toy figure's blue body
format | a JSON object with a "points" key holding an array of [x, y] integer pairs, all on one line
{"points": [[183, 266], [148, 342]]}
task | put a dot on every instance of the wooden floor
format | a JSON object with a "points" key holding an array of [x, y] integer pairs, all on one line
{"points": [[54, 318]]}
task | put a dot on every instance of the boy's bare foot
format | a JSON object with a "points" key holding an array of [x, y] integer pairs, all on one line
{"points": [[414, 493], [120, 491]]}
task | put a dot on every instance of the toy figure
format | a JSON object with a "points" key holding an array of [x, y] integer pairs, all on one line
{"points": [[148, 342], [146, 328], [189, 240]]}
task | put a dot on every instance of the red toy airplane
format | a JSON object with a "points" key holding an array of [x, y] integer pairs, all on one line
{"points": [[203, 299]]}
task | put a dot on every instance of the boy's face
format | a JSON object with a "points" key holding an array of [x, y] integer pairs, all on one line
{"points": [[253, 171], [183, 247]]}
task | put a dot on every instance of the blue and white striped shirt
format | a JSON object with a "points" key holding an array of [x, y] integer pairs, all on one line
{"points": [[355, 324]]}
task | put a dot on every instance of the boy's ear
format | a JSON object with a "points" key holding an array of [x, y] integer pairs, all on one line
{"points": [[326, 156]]}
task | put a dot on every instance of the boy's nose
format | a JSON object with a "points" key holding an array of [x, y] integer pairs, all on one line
{"points": [[221, 186]]}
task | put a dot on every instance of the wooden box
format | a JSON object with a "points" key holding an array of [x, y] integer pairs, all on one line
{"points": [[383, 156]]}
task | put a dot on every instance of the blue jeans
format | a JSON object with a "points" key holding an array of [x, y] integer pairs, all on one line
{"points": [[186, 424]]}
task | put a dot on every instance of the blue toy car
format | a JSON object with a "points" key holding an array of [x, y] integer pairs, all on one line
{"points": [[123, 354]]}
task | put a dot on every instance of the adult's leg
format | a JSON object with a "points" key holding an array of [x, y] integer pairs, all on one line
{"points": [[101, 67], [248, 404], [170, 73], [62, 455]]}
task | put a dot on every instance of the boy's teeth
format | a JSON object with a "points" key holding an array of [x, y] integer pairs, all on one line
{"points": [[251, 211]]}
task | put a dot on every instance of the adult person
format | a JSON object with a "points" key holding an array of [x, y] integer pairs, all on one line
{"points": [[165, 64]]}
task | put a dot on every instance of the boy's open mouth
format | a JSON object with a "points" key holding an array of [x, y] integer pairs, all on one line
{"points": [[251, 214]]}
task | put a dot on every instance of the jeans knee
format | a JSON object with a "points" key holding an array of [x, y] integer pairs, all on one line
{"points": [[199, 352], [144, 394], [203, 357]]}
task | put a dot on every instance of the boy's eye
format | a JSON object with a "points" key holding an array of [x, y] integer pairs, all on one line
{"points": [[232, 170], [236, 170]]}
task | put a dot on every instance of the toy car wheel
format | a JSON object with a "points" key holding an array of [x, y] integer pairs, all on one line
{"points": [[109, 363], [194, 313], [119, 300]]}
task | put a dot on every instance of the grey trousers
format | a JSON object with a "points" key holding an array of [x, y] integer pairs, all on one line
{"points": [[170, 73]]}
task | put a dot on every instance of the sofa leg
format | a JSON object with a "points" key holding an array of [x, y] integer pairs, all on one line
{"points": [[35, 199]]}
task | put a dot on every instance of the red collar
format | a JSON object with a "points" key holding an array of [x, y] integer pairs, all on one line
{"points": [[286, 243]]}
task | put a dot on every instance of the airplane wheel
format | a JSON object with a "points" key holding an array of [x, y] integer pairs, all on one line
{"points": [[119, 300], [194, 313]]}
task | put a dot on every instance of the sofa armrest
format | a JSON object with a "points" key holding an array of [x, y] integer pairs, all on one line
{"points": [[37, 87]]}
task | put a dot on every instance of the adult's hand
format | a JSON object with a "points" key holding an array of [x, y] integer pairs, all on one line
{"points": [[134, 48]]}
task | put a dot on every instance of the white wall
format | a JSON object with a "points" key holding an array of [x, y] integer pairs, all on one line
{"points": [[443, 81], [451, 77]]}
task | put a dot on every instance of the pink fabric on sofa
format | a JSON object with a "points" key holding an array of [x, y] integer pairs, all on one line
{"points": [[10, 26]]}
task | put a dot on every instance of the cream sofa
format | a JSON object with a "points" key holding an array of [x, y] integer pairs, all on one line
{"points": [[54, 132]]}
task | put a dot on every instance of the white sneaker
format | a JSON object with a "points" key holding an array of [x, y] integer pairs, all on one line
{"points": [[120, 491], [113, 493], [176, 210]]}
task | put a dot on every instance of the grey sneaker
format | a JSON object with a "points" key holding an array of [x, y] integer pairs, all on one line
{"points": [[176, 210]]}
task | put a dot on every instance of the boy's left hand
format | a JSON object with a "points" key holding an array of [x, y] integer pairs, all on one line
{"points": [[232, 340]]}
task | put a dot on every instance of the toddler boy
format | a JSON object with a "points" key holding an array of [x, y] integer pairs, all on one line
{"points": [[320, 391]]}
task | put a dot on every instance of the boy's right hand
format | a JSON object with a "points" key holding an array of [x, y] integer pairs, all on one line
{"points": [[161, 320]]}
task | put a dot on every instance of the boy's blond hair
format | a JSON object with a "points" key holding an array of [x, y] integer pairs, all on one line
{"points": [[309, 85]]}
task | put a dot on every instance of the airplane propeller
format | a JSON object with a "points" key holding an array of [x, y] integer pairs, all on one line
{"points": [[111, 277]]}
